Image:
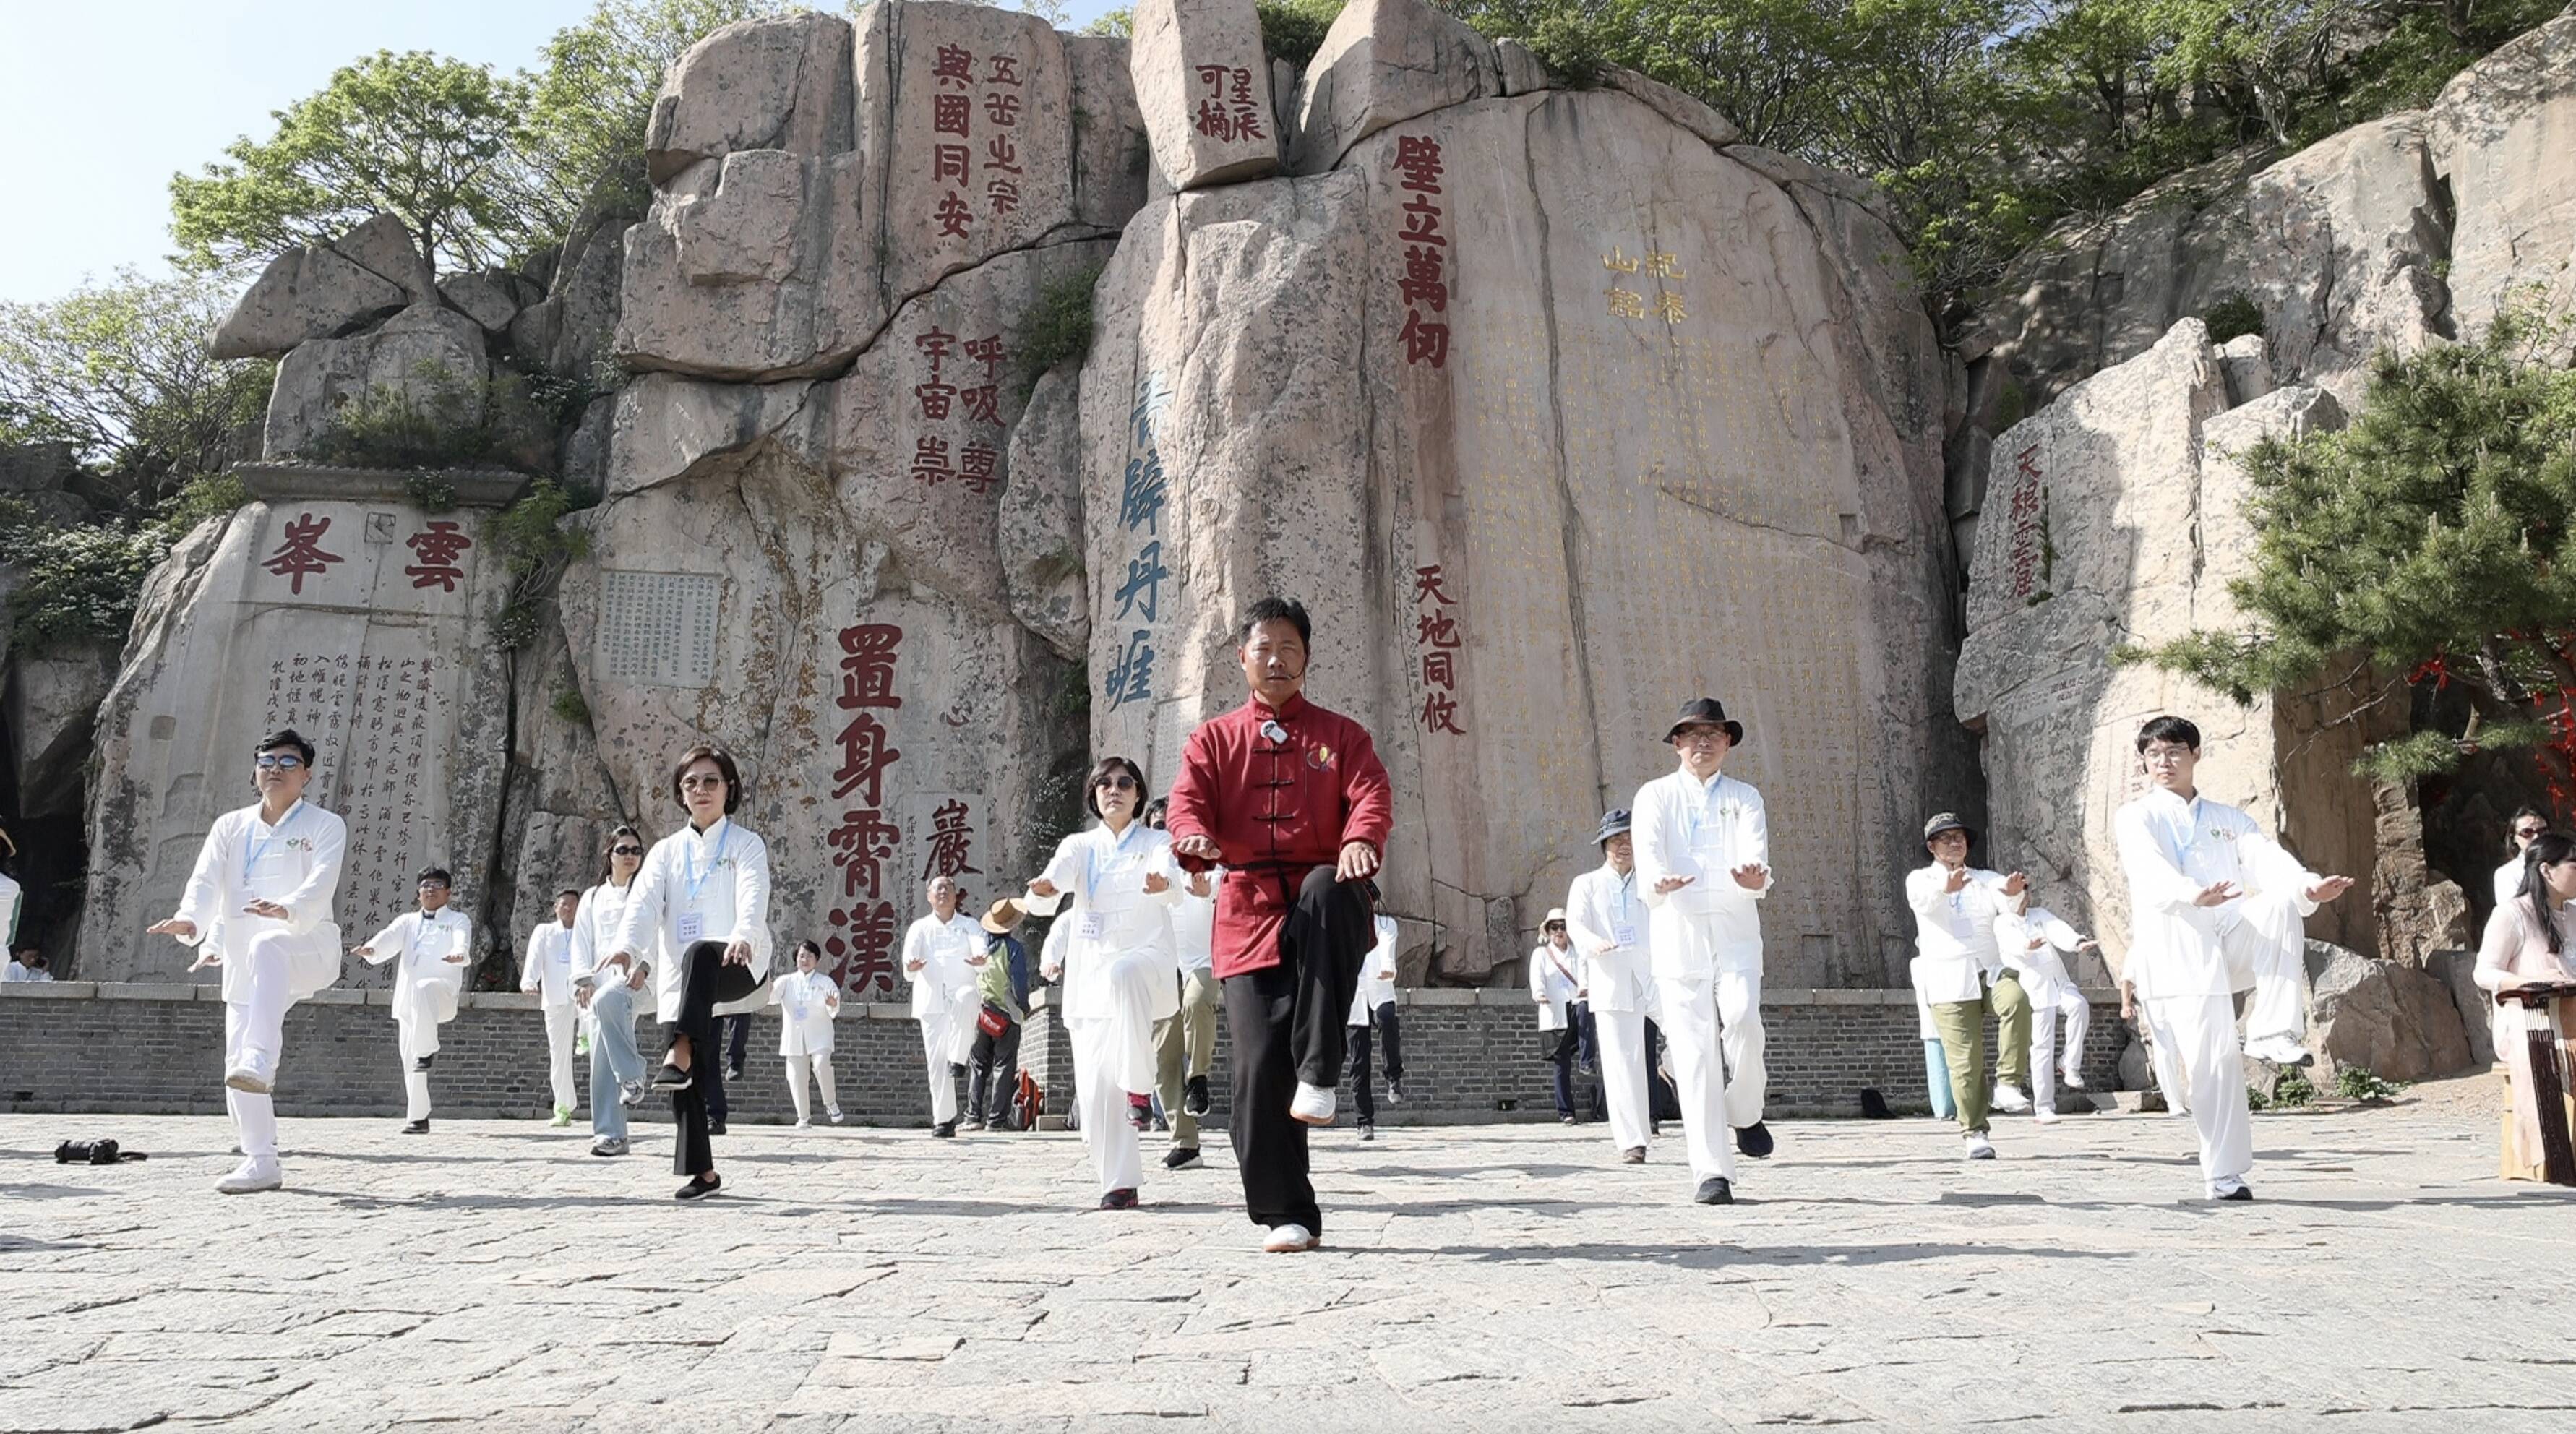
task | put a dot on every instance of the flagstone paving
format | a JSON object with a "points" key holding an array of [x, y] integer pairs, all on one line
{"points": [[1493, 1278]]}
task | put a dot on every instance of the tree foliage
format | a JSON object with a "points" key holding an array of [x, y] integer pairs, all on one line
{"points": [[2431, 543]]}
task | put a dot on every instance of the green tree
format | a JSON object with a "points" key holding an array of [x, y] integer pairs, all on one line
{"points": [[434, 142], [2431, 543], [120, 372]]}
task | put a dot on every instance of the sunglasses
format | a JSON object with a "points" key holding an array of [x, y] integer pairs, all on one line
{"points": [[1119, 783], [694, 783], [626, 851], [2531, 831], [278, 761]]}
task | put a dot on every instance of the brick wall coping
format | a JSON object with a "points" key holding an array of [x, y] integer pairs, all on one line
{"points": [[891, 1010]]}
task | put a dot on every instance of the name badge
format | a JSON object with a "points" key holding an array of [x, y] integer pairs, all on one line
{"points": [[800, 1012], [1623, 934], [1094, 926], [693, 926]]}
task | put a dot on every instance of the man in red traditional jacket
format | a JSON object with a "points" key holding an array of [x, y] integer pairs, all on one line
{"points": [[1292, 801]]}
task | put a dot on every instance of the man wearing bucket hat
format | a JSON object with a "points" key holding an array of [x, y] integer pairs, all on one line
{"points": [[1608, 926], [1703, 845], [1964, 978]]}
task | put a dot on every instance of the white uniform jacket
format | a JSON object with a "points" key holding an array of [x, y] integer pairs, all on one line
{"points": [[1101, 875], [2031, 943], [426, 983], [807, 1002], [295, 864], [547, 967], [1194, 925], [1607, 923], [1702, 830], [594, 940], [710, 885], [1554, 978], [1955, 930], [943, 948], [2170, 849], [1377, 976]]}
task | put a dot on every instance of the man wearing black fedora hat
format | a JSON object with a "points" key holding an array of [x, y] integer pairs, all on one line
{"points": [[1965, 979], [1703, 844]]}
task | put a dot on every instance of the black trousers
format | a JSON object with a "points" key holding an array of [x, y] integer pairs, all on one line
{"points": [[1662, 1102], [995, 1069], [1286, 1021], [708, 981], [737, 1036], [1386, 1026], [1578, 1042]]}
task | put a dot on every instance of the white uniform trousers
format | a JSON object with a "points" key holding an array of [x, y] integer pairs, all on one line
{"points": [[559, 1026], [2196, 1043], [1107, 1056], [938, 1043], [1699, 1073], [820, 1062], [1622, 1035], [415, 1039], [1739, 1014], [2044, 1061], [255, 1026], [2266, 943]]}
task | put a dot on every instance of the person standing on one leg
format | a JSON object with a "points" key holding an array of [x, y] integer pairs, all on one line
{"points": [[2030, 943], [2215, 906], [808, 999], [1703, 866], [1606, 922], [547, 971], [1002, 988], [1373, 1005], [1963, 976], [700, 912], [1292, 800], [942, 955], [1185, 1045], [611, 994], [1556, 988], [431, 948], [258, 905]]}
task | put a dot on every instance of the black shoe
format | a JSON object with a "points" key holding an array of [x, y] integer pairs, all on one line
{"points": [[1183, 1157], [1368, 1130], [956, 1069], [421, 1063], [2241, 1192], [1195, 1099], [671, 1078], [1654, 1127], [715, 1127], [733, 1070], [1715, 1191], [417, 1127], [1118, 1200], [1753, 1141], [946, 1130], [698, 1188], [1395, 1090]]}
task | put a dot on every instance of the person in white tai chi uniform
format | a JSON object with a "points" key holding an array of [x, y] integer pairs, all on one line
{"points": [[1120, 883], [2215, 906], [613, 993], [548, 972], [941, 956], [808, 998], [1962, 978], [258, 904], [1703, 866], [2035, 943], [430, 949], [1607, 922]]}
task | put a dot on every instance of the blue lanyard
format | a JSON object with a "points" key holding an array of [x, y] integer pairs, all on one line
{"points": [[689, 858], [1698, 815], [274, 833], [1627, 896], [1091, 864]]}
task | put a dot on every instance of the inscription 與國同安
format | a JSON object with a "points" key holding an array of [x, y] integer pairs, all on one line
{"points": [[658, 629]]}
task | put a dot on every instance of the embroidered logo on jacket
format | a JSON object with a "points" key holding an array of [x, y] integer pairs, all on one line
{"points": [[1320, 757]]}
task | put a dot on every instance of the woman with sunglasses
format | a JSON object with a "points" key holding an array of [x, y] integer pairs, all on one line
{"points": [[1121, 883], [611, 997], [2529, 825], [700, 907]]}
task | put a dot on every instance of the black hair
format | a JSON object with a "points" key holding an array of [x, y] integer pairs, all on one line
{"points": [[2520, 813], [1155, 811], [1109, 766], [434, 873], [2169, 729], [723, 759], [608, 852], [1275, 609], [2548, 849], [572, 891], [808, 944], [286, 737]]}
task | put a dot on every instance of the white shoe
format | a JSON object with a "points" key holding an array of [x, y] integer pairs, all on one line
{"points": [[2072, 1080], [1313, 1106], [251, 1076], [2044, 1116], [2009, 1099], [2279, 1050], [1977, 1147], [835, 1114], [804, 1122], [1289, 1239], [250, 1177]]}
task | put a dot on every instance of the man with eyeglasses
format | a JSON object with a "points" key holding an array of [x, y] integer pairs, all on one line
{"points": [[1292, 801], [2215, 906], [1703, 853], [430, 949], [258, 905], [2529, 825]]}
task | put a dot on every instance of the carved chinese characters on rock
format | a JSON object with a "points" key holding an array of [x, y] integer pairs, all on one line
{"points": [[377, 719], [962, 397], [437, 547], [1439, 646], [1142, 493], [301, 554], [1665, 273], [1228, 110], [863, 915], [975, 111], [1424, 284], [2029, 553]]}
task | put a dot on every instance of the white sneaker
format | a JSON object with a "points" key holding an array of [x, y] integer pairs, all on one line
{"points": [[251, 1176], [1289, 1239], [2044, 1116], [2009, 1099], [251, 1076], [2279, 1050], [804, 1122], [1977, 1147], [2072, 1080], [835, 1114], [1313, 1106]]}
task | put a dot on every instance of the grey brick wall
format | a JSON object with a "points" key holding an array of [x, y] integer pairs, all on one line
{"points": [[1470, 1055]]}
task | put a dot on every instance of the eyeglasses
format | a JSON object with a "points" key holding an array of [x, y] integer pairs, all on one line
{"points": [[701, 780], [433, 886], [626, 851], [1700, 736], [2530, 833], [279, 761], [1118, 783]]}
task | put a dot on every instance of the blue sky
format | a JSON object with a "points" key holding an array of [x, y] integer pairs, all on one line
{"points": [[108, 99]]}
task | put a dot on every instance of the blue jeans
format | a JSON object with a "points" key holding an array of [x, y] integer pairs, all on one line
{"points": [[1936, 1077], [613, 1059]]}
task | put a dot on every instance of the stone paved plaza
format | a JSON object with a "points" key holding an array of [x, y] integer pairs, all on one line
{"points": [[1493, 1278]]}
